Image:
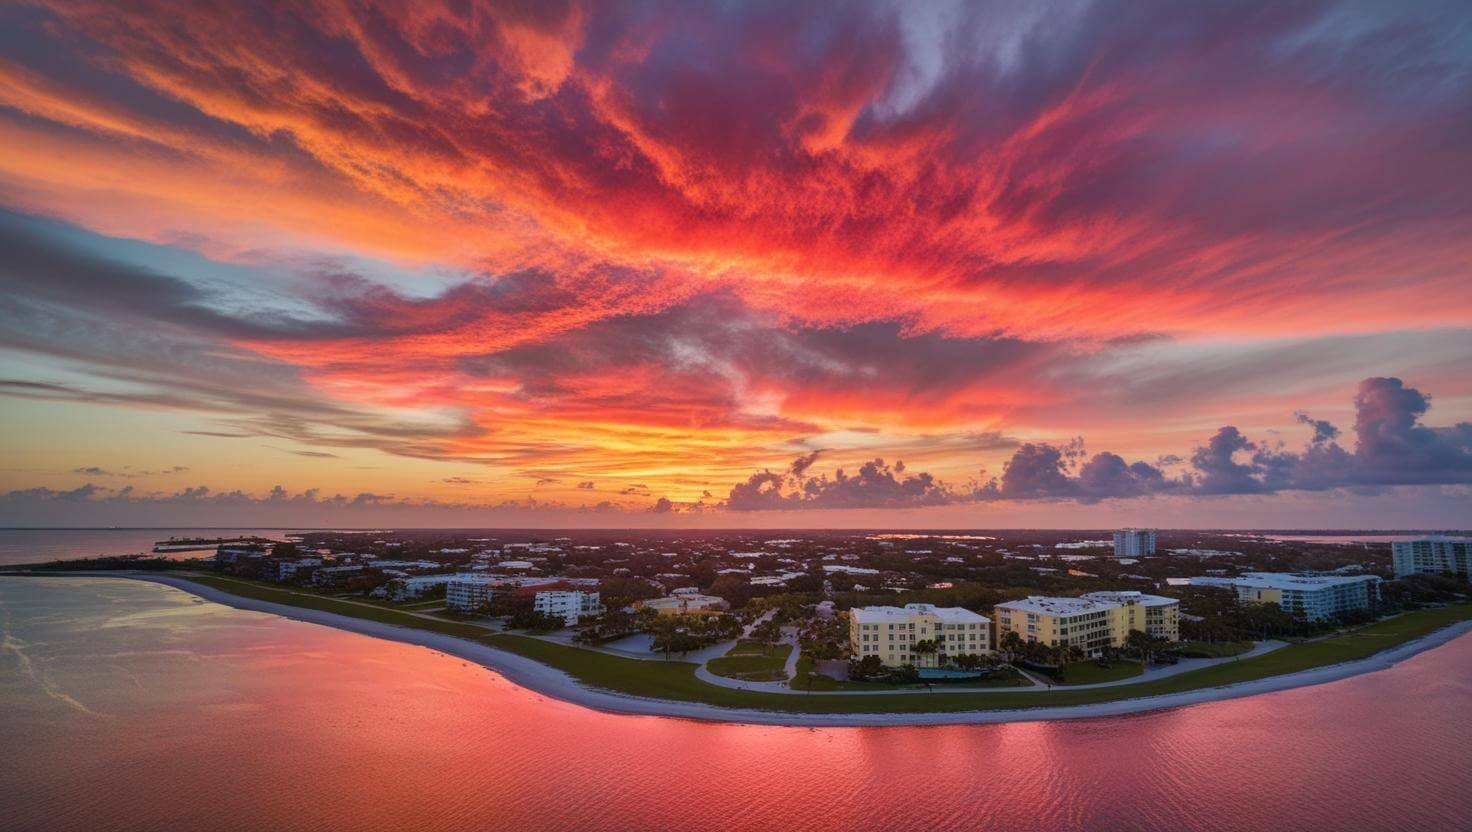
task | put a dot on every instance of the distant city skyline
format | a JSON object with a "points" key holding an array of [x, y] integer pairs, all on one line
{"points": [[774, 266]]}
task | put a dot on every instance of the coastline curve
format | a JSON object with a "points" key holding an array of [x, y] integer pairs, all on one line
{"points": [[557, 684]]}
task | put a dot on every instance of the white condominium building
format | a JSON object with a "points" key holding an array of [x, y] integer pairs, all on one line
{"points": [[468, 592], [328, 575], [1155, 614], [287, 569], [1312, 597], [891, 633], [1432, 555], [1134, 543], [413, 586], [570, 605]]}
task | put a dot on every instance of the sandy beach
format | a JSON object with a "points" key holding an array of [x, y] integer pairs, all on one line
{"points": [[554, 683]]}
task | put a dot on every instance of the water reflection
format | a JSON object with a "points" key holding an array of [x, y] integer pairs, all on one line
{"points": [[137, 706]]}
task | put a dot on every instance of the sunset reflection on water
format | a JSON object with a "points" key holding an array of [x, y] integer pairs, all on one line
{"points": [[129, 705]]}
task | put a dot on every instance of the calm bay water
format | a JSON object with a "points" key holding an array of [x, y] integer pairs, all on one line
{"points": [[126, 705]]}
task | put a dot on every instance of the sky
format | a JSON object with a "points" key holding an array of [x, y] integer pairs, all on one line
{"points": [[848, 264]]}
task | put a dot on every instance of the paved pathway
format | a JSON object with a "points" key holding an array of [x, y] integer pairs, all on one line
{"points": [[791, 666]]}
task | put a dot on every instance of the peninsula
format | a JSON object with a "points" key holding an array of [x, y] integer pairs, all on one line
{"points": [[798, 650]]}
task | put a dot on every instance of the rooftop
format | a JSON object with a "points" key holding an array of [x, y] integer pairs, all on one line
{"points": [[1286, 580], [948, 615], [1057, 606], [1126, 596]]}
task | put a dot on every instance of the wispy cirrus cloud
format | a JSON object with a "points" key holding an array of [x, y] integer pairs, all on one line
{"points": [[802, 155], [666, 245]]}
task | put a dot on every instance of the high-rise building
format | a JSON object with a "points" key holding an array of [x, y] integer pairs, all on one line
{"points": [[1432, 555], [1134, 543], [891, 633]]}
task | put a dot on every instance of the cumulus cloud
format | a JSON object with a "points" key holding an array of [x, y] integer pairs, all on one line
{"points": [[875, 485], [1323, 430], [310, 507], [1392, 447]]}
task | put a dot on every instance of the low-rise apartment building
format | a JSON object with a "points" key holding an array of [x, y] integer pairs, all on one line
{"points": [[1312, 597], [334, 575], [287, 569], [686, 604], [1155, 614], [468, 592], [232, 553], [1080, 622], [569, 605], [891, 633], [413, 586]]}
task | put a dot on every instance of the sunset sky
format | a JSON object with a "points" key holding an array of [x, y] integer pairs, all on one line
{"points": [[742, 264]]}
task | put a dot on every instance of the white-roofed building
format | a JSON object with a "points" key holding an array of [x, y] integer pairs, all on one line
{"points": [[1156, 615], [1134, 543], [1432, 555], [1313, 597], [686, 604], [469, 592], [413, 586], [891, 633], [569, 605], [1091, 623], [287, 569]]}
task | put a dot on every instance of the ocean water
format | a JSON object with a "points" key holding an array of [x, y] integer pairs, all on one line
{"points": [[126, 705], [42, 545]]}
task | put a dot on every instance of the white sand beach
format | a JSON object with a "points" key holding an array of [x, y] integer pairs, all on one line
{"points": [[554, 683]]}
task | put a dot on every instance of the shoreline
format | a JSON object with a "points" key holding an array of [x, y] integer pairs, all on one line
{"points": [[548, 681]]}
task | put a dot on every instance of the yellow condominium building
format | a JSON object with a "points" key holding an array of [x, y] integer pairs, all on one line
{"points": [[891, 633], [1155, 614], [1090, 623]]}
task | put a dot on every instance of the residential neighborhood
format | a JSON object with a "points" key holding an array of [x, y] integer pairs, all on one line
{"points": [[830, 611]]}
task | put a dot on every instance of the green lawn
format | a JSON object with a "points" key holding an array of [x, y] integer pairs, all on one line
{"points": [[753, 662], [749, 647], [808, 678], [1213, 649], [314, 601], [676, 680], [1090, 673]]}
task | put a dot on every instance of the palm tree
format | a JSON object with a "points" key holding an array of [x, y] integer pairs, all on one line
{"points": [[1010, 644], [925, 646]]}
